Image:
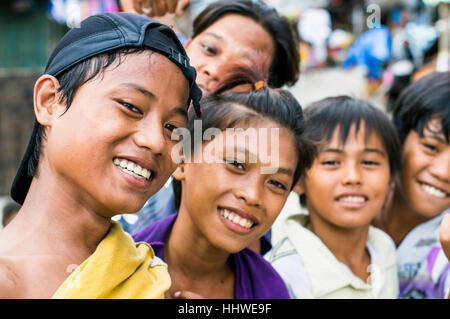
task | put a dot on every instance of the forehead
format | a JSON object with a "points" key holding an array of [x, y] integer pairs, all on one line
{"points": [[260, 139], [228, 30], [433, 128], [362, 137], [151, 71]]}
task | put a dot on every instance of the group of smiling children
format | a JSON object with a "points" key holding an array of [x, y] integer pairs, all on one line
{"points": [[374, 200]]}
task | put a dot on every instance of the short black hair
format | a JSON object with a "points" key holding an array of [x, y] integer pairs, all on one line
{"points": [[231, 109], [71, 80], [341, 112], [285, 66], [422, 101]]}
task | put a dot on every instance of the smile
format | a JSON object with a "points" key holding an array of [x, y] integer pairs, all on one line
{"points": [[433, 191], [352, 199], [132, 168], [235, 218]]}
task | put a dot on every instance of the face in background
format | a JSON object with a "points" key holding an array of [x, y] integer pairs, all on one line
{"points": [[223, 42], [425, 176], [347, 185], [111, 150], [230, 202]]}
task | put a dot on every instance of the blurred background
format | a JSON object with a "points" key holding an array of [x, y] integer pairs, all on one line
{"points": [[366, 49]]}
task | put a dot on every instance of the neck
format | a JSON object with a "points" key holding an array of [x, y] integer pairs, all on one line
{"points": [[347, 245], [190, 254], [400, 219], [51, 222]]}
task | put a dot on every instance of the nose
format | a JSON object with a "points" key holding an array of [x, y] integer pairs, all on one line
{"points": [[150, 135], [352, 174], [441, 166], [250, 191], [212, 70]]}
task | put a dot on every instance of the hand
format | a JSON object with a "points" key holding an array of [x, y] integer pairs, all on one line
{"points": [[155, 8], [187, 295], [445, 235]]}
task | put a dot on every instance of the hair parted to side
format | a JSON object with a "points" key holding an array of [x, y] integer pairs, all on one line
{"points": [[324, 117], [285, 66], [422, 101]]}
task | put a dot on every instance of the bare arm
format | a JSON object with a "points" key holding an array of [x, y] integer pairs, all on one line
{"points": [[445, 235], [155, 8]]}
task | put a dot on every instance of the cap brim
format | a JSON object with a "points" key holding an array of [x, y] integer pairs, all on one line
{"points": [[22, 180]]}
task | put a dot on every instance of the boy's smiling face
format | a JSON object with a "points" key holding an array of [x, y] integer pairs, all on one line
{"points": [[425, 178], [348, 184], [111, 149]]}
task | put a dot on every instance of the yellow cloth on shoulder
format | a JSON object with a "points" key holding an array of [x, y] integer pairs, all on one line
{"points": [[118, 269]]}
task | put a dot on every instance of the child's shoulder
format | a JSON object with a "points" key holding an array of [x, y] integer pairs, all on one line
{"points": [[383, 245]]}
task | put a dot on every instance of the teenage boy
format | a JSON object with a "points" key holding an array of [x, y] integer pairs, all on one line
{"points": [[422, 197], [113, 91]]}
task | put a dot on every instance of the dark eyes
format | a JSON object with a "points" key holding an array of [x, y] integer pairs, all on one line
{"points": [[209, 49], [335, 163], [277, 184], [241, 167], [370, 163], [330, 163], [138, 111], [132, 108], [170, 127], [236, 164], [431, 147]]}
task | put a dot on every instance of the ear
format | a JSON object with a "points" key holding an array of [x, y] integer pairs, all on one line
{"points": [[299, 188], [46, 100], [179, 172]]}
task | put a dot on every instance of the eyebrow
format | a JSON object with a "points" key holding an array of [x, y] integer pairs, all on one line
{"points": [[180, 111], [285, 171], [366, 150], [437, 137], [140, 89]]}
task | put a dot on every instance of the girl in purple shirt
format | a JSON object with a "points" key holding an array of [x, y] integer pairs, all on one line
{"points": [[239, 164]]}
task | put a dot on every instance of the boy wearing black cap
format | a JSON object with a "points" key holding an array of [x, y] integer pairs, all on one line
{"points": [[112, 93]]}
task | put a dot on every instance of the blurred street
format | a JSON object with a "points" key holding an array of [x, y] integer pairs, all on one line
{"points": [[316, 84]]}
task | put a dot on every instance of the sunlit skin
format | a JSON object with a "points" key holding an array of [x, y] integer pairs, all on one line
{"points": [[223, 42], [201, 241], [426, 163], [129, 112], [346, 188]]}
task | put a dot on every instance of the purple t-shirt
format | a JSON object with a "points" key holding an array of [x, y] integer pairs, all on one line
{"points": [[255, 277]]}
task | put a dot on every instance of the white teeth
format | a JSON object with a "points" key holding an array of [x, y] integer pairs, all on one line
{"points": [[235, 218], [137, 169], [353, 199], [433, 191], [132, 168]]}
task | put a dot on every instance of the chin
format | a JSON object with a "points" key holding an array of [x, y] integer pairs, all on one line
{"points": [[427, 211]]}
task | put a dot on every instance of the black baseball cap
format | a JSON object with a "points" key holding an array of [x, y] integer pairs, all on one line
{"points": [[99, 34]]}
